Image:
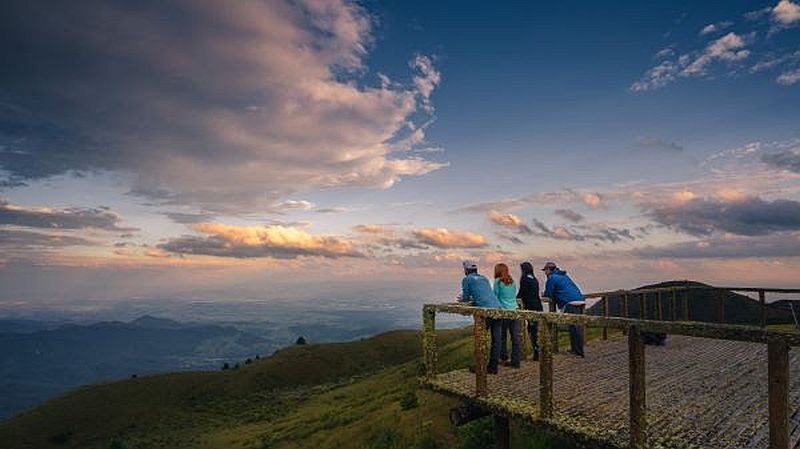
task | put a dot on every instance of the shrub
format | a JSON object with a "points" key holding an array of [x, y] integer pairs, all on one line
{"points": [[409, 401]]}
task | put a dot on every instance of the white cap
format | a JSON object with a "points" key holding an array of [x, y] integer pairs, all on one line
{"points": [[469, 265]]}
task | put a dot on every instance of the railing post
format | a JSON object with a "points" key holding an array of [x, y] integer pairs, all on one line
{"points": [[778, 373], [545, 370], [625, 311], [605, 314], [636, 389], [673, 313], [554, 336], [481, 387], [763, 301], [718, 293], [429, 340], [659, 307]]}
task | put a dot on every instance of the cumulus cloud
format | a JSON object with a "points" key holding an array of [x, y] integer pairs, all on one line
{"points": [[742, 215], [786, 12], [370, 229], [60, 218], [785, 160], [276, 241], [569, 214], [509, 221], [727, 48], [448, 238], [228, 107], [585, 197], [189, 217]]}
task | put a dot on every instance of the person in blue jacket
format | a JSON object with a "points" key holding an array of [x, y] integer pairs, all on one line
{"points": [[476, 289], [568, 297]]}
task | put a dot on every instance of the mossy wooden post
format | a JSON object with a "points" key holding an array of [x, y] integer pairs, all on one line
{"points": [[525, 339], [659, 307], [636, 389], [778, 374], [480, 355], [763, 301], [502, 432], [605, 314], [429, 340], [673, 306], [545, 370]]}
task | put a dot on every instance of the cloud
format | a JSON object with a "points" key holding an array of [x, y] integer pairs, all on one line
{"points": [[447, 238], [780, 244], [569, 214], [509, 221], [228, 107], [657, 143], [370, 229], [280, 242], [586, 197], [748, 216], [715, 27], [595, 232], [785, 160], [789, 77], [786, 12], [189, 217], [63, 218], [727, 48], [20, 239]]}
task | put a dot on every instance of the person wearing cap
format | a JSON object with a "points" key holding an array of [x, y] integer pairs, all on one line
{"points": [[568, 297], [476, 289], [529, 295]]}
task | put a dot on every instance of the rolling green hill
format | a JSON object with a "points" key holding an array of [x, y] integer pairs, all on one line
{"points": [[359, 394]]}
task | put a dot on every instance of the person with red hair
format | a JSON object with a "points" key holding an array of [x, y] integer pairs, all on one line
{"points": [[506, 292]]}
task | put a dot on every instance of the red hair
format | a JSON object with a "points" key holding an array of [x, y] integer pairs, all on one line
{"points": [[501, 271]]}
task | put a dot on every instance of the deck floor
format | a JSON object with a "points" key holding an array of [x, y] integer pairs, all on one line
{"points": [[700, 392]]}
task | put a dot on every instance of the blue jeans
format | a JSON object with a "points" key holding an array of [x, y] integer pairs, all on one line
{"points": [[495, 327], [533, 331], [575, 332], [512, 327]]}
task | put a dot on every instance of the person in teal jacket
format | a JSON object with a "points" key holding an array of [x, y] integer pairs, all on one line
{"points": [[506, 292]]}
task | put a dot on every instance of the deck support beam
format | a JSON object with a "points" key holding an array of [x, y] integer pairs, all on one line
{"points": [[502, 432], [479, 330], [545, 370], [778, 369], [636, 393], [466, 413]]}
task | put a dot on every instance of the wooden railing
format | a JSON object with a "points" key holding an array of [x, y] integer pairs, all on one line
{"points": [[778, 344]]}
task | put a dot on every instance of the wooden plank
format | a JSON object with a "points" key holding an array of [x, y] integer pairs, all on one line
{"points": [[763, 301], [429, 350], [605, 314], [778, 374], [545, 370], [480, 355], [502, 432], [636, 392]]}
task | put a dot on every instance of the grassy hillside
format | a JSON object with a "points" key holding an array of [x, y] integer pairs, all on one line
{"points": [[359, 394]]}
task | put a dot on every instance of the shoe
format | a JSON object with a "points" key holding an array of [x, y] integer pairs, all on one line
{"points": [[576, 354], [491, 370], [514, 365], [536, 356]]}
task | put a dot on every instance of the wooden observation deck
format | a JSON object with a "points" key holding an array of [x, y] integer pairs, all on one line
{"points": [[713, 385]]}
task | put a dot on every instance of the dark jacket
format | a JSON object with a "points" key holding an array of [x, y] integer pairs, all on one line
{"points": [[529, 288]]}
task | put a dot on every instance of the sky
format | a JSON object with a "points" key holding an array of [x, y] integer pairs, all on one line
{"points": [[314, 150]]}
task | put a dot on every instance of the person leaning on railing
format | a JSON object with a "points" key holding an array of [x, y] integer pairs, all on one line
{"points": [[476, 289], [529, 295], [506, 292], [568, 297]]}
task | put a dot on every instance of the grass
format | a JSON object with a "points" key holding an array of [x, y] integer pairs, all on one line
{"points": [[360, 394]]}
